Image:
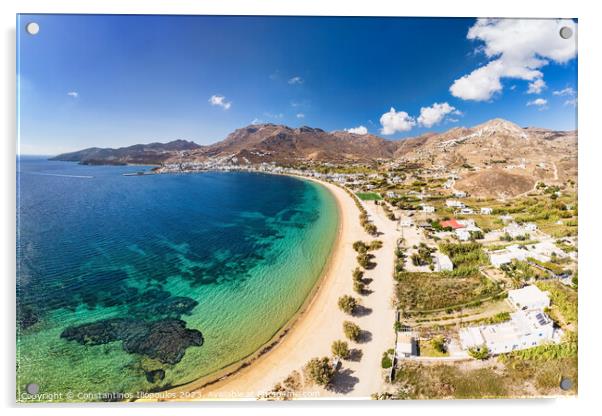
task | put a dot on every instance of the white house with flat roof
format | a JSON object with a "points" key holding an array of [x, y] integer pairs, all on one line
{"points": [[442, 262], [518, 230], [540, 251], [405, 346], [525, 329], [452, 203], [547, 249], [529, 298], [486, 211], [506, 255], [429, 209], [463, 234]]}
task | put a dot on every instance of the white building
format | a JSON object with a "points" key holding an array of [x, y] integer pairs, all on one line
{"points": [[506, 255], [486, 211], [463, 234], [391, 194], [529, 298], [405, 346], [460, 194], [525, 329], [469, 224], [547, 249], [516, 230], [520, 253], [429, 209], [452, 203], [466, 211], [442, 262], [406, 222]]}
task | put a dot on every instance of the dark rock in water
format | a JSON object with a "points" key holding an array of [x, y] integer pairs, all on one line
{"points": [[26, 317], [153, 376], [165, 340]]}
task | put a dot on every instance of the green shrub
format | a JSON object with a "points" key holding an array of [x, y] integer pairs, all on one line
{"points": [[386, 361], [352, 331], [347, 304], [480, 352], [319, 371], [340, 349]]}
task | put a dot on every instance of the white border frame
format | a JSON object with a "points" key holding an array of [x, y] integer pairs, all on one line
{"points": [[589, 184]]}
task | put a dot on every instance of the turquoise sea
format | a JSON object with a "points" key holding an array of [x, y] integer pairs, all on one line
{"points": [[138, 283]]}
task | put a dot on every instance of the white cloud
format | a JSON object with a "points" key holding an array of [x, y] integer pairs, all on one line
{"points": [[73, 94], [394, 121], [517, 48], [295, 80], [429, 116], [300, 115], [257, 121], [566, 91], [358, 130], [572, 101], [537, 86], [538, 102], [220, 101]]}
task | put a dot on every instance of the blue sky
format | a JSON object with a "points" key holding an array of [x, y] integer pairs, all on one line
{"points": [[112, 81]]}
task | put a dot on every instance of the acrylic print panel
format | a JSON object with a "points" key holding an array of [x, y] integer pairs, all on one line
{"points": [[220, 207]]}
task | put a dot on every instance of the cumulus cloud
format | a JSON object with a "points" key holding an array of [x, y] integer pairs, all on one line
{"points": [[537, 86], [538, 102], [73, 94], [220, 101], [300, 115], [517, 48], [429, 116], [295, 80], [394, 121], [566, 91], [358, 130]]}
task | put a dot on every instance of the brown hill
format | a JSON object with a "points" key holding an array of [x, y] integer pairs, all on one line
{"points": [[538, 154], [282, 144], [496, 158], [495, 183]]}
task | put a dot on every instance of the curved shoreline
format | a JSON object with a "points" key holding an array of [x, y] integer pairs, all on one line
{"points": [[246, 363]]}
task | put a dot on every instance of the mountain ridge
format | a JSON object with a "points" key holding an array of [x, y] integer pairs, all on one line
{"points": [[496, 150]]}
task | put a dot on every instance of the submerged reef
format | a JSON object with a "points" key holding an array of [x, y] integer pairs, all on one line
{"points": [[165, 340]]}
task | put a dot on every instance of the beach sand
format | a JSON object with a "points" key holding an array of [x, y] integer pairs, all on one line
{"points": [[320, 323]]}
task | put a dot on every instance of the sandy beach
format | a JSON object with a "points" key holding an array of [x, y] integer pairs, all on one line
{"points": [[320, 323]]}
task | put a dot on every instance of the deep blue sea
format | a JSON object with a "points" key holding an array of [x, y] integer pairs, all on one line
{"points": [[128, 283]]}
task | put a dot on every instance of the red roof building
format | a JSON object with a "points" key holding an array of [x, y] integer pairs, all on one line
{"points": [[451, 223]]}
